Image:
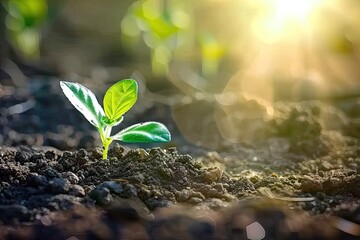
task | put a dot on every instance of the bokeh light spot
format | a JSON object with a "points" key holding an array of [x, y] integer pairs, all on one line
{"points": [[255, 231]]}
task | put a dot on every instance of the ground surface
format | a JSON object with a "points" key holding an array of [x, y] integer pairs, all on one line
{"points": [[301, 169]]}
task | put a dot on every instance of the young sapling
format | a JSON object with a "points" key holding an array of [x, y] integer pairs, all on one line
{"points": [[118, 99]]}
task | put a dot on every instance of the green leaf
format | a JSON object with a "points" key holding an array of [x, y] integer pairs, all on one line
{"points": [[84, 101], [144, 132], [119, 98]]}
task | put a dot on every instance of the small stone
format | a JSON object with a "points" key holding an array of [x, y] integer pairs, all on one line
{"points": [[82, 157], [102, 196], [212, 175], [274, 175], [114, 187], [67, 154], [77, 190], [117, 151], [153, 203], [81, 153], [197, 165], [183, 195], [72, 177], [325, 165], [194, 200], [254, 179], [97, 152], [59, 185]]}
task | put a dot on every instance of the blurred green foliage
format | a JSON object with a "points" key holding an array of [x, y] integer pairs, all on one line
{"points": [[161, 26], [212, 52], [24, 21], [164, 26]]}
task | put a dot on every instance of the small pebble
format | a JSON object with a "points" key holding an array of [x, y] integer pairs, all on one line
{"points": [[77, 190], [59, 185], [72, 177], [102, 196]]}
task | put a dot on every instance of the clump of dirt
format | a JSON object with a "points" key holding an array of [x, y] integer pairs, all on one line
{"points": [[304, 124]]}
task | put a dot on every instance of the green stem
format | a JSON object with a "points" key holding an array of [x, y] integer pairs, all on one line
{"points": [[106, 148], [106, 140], [101, 131]]}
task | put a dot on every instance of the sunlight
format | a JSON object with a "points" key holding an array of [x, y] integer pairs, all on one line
{"points": [[284, 17], [297, 10]]}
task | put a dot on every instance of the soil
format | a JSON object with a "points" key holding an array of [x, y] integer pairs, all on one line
{"points": [[295, 176]]}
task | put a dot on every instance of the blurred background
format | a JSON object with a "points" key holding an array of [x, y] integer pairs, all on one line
{"points": [[218, 65]]}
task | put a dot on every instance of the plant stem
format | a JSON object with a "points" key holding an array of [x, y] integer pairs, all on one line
{"points": [[106, 149], [107, 131], [106, 140]]}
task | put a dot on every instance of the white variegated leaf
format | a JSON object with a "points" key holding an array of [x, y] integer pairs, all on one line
{"points": [[84, 101]]}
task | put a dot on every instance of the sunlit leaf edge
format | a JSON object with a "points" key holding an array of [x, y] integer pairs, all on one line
{"points": [[144, 133], [93, 114]]}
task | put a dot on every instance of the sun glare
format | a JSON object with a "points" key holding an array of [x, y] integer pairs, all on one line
{"points": [[283, 17], [294, 10]]}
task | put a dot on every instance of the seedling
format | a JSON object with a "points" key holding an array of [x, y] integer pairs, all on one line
{"points": [[118, 99]]}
